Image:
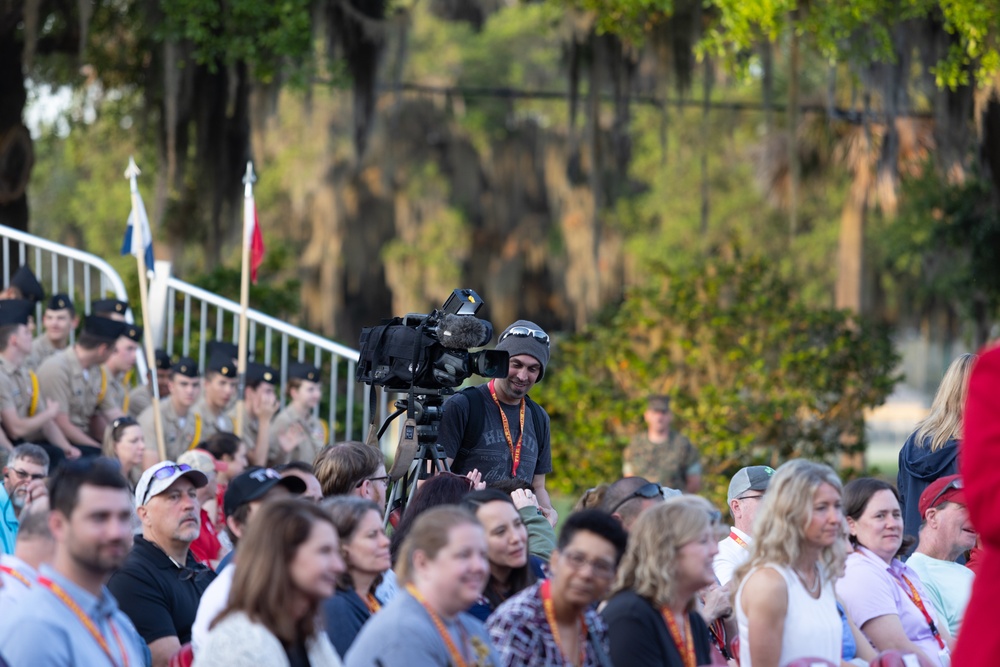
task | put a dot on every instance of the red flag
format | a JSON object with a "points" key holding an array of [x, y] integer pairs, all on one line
{"points": [[256, 240]]}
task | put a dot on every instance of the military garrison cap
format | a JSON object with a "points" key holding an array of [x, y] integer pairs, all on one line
{"points": [[186, 366], [133, 332], [108, 306], [162, 360], [261, 373], [15, 311], [60, 302], [222, 365], [302, 371], [26, 282], [102, 327]]}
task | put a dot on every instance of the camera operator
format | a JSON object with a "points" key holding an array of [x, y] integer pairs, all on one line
{"points": [[496, 428]]}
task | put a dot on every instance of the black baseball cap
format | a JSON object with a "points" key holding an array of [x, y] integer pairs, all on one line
{"points": [[253, 483]]}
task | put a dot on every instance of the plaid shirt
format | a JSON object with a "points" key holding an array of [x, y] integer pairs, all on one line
{"points": [[522, 636]]}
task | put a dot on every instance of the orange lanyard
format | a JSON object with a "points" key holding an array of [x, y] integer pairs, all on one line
{"points": [[919, 604], [686, 649], [915, 599], [515, 450], [550, 615], [457, 659], [373, 604], [87, 622], [739, 540], [17, 575]]}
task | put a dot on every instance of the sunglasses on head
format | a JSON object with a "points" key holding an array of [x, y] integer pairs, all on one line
{"points": [[122, 422], [164, 473], [526, 332], [953, 484], [651, 490]]}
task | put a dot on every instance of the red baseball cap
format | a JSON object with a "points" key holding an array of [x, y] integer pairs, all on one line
{"points": [[944, 490]]}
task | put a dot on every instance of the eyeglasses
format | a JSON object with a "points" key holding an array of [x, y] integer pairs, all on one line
{"points": [[164, 473], [651, 490], [526, 332], [600, 568], [383, 478], [953, 484], [24, 474]]}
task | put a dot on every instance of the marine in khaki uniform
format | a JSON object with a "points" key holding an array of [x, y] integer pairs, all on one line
{"points": [[76, 379], [121, 363], [304, 395], [141, 396], [218, 390], [25, 415], [182, 427], [58, 320], [260, 403]]}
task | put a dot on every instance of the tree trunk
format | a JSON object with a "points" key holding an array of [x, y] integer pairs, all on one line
{"points": [[850, 254], [15, 142], [794, 168], [706, 91]]}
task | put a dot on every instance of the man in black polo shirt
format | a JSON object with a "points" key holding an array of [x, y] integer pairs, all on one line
{"points": [[160, 584]]}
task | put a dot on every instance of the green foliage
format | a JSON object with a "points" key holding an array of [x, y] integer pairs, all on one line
{"points": [[263, 34], [943, 247], [756, 375]]}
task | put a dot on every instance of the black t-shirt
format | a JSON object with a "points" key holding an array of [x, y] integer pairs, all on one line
{"points": [[491, 454], [160, 598]]}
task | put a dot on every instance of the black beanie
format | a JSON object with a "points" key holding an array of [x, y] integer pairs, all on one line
{"points": [[517, 344]]}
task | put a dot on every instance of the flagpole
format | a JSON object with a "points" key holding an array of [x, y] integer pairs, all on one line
{"points": [[131, 173], [241, 361]]}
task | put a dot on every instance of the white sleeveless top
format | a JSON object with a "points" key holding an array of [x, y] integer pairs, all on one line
{"points": [[813, 628]]}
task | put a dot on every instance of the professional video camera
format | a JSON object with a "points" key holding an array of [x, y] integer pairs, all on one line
{"points": [[426, 356], [430, 352]]}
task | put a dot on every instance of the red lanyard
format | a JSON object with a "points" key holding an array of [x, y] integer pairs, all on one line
{"points": [[685, 648], [739, 540], [17, 575], [919, 604], [718, 632], [915, 599], [87, 622], [545, 590], [457, 659], [515, 450]]}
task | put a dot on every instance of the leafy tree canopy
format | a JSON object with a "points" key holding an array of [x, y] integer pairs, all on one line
{"points": [[756, 375]]}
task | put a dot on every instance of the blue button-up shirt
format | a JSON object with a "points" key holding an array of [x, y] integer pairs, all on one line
{"points": [[44, 631], [8, 523]]}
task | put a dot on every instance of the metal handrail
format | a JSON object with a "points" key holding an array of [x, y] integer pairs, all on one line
{"points": [[51, 279], [288, 334]]}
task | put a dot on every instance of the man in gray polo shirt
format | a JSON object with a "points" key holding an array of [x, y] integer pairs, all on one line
{"points": [[69, 617]]}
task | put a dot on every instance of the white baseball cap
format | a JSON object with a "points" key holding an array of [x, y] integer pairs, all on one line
{"points": [[158, 478]]}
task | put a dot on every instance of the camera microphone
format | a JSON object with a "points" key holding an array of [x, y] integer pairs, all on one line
{"points": [[460, 332]]}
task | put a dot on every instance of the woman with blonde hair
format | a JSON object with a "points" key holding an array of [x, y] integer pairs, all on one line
{"points": [[931, 451], [289, 563], [443, 568], [124, 442], [785, 604], [651, 616]]}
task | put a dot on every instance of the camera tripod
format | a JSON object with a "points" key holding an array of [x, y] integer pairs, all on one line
{"points": [[418, 452]]}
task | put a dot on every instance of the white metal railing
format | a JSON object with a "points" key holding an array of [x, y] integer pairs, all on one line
{"points": [[86, 277], [59, 268], [204, 315]]}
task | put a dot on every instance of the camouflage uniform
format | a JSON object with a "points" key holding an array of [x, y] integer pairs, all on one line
{"points": [[668, 463]]}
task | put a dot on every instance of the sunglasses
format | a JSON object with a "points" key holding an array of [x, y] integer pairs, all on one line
{"points": [[526, 332], [120, 423], [164, 473], [953, 484], [651, 490]]}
